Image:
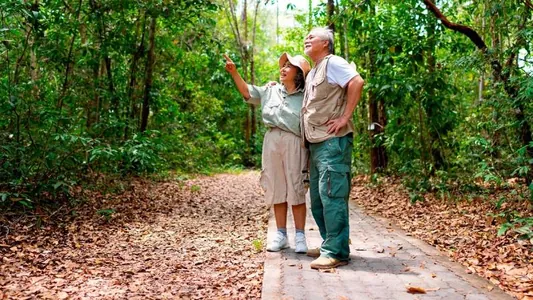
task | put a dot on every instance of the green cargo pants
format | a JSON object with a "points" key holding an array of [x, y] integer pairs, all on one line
{"points": [[329, 187]]}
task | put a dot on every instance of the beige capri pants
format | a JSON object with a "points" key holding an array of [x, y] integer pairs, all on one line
{"points": [[283, 161]]}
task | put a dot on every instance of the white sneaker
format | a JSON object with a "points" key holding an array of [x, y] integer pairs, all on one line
{"points": [[279, 242], [301, 244]]}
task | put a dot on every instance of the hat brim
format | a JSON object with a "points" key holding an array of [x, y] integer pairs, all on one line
{"points": [[286, 57]]}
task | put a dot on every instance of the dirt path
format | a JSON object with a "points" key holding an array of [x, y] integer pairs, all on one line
{"points": [[196, 239]]}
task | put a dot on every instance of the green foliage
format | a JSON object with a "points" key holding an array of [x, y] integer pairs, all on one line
{"points": [[106, 213], [140, 154], [74, 82], [73, 85], [523, 226], [195, 188], [440, 133], [258, 245]]}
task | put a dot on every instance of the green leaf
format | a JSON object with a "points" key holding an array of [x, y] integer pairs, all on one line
{"points": [[503, 229], [27, 203]]}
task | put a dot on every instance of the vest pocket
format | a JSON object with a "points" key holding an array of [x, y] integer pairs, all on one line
{"points": [[338, 184], [318, 92]]}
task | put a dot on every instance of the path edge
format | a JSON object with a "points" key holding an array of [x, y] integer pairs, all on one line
{"points": [[475, 280]]}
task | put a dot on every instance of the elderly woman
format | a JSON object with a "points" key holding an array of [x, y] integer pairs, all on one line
{"points": [[283, 156]]}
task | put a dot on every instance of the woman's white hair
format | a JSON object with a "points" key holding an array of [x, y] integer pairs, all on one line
{"points": [[325, 34]]}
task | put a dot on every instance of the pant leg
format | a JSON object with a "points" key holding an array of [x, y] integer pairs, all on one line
{"points": [[294, 159], [273, 176], [332, 159], [316, 203]]}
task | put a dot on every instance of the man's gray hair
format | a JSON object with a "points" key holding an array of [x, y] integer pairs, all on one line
{"points": [[325, 34]]}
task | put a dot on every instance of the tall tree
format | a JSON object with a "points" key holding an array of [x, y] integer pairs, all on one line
{"points": [[377, 113], [147, 99], [246, 48], [499, 73]]}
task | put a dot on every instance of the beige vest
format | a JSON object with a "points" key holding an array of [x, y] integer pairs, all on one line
{"points": [[322, 102]]}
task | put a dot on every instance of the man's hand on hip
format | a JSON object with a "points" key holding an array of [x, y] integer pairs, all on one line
{"points": [[334, 126]]}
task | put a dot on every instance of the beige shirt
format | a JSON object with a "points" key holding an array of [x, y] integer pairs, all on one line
{"points": [[278, 108]]}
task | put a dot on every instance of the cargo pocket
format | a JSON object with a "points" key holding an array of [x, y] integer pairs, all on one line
{"points": [[334, 147], [302, 186], [338, 184], [263, 180]]}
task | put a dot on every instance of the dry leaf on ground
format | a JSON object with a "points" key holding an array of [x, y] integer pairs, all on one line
{"points": [[160, 238], [415, 290]]}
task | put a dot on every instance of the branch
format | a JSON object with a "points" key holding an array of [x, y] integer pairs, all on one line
{"points": [[68, 66], [19, 60], [469, 32]]}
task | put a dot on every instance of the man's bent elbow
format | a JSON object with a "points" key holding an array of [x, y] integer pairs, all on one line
{"points": [[359, 80]]}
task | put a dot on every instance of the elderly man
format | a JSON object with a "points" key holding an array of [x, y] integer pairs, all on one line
{"points": [[333, 89]]}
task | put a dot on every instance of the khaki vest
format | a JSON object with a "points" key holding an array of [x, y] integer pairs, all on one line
{"points": [[322, 102]]}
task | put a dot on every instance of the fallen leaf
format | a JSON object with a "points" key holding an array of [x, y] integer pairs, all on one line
{"points": [[332, 270], [415, 290]]}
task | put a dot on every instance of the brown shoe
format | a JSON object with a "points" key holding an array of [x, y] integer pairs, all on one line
{"points": [[324, 262], [315, 252]]}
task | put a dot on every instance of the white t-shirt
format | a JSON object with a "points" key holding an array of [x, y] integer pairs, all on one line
{"points": [[340, 71]]}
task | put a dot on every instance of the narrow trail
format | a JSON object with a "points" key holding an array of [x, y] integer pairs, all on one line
{"points": [[193, 240]]}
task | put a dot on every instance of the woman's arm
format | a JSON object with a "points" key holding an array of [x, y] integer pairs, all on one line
{"points": [[239, 82]]}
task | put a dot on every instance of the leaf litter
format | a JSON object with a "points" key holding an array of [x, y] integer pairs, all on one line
{"points": [[162, 240], [462, 229]]}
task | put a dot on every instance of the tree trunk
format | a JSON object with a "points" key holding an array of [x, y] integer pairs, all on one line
{"points": [[131, 110], [34, 67], [253, 129], [69, 64], [149, 76], [310, 16], [330, 7], [246, 50], [277, 22], [434, 137], [376, 111], [93, 105], [342, 33], [111, 86]]}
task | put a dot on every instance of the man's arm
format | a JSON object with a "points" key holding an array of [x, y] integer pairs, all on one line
{"points": [[354, 90]]}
